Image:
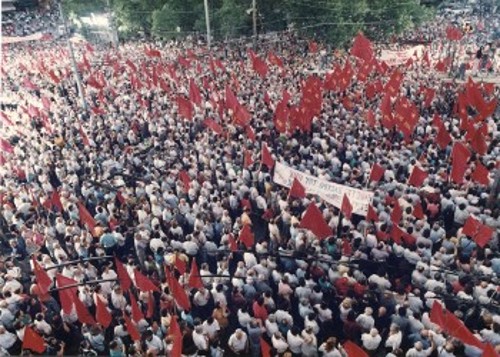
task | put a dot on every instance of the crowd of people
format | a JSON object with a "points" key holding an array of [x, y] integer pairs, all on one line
{"points": [[138, 186]]}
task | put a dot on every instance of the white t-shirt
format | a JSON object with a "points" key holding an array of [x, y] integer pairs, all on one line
{"points": [[236, 344]]}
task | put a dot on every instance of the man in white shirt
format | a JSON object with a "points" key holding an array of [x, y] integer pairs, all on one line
{"points": [[295, 340], [154, 343], [238, 342], [371, 340], [7, 339], [211, 328], [200, 339], [418, 350]]}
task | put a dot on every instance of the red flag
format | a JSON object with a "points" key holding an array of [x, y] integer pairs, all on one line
{"points": [[85, 217], [68, 295], [489, 351], [123, 276], [443, 138], [5, 146], [212, 124], [453, 33], [370, 118], [180, 265], [376, 173], [56, 201], [247, 161], [152, 53], [186, 181], [29, 84], [481, 174], [483, 235], [185, 107], [83, 313], [143, 283], [362, 48], [175, 331], [131, 65], [297, 190], [281, 116], [346, 207], [246, 236], [136, 311], [418, 211], [266, 158], [273, 59], [194, 93], [151, 306], [33, 341], [85, 138], [54, 78], [460, 155], [371, 215], [354, 350], [46, 103], [397, 213], [436, 315], [314, 221], [250, 133], [179, 294], [131, 329], [429, 96], [231, 100], [195, 281], [417, 176], [313, 47], [102, 315], [478, 143], [265, 349], [258, 64], [471, 226], [43, 280]]}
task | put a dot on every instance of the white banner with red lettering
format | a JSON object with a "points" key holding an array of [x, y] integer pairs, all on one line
{"points": [[395, 58], [328, 191]]}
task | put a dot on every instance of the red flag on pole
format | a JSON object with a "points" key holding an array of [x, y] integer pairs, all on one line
{"points": [[102, 315], [362, 48], [267, 158], [265, 349], [33, 341], [195, 281], [297, 190], [180, 265], [460, 155], [346, 207], [43, 280], [417, 176], [123, 276], [5, 146], [143, 283], [83, 313], [131, 329], [151, 305], [178, 292], [436, 315], [443, 138], [186, 181], [136, 311], [418, 211], [85, 138], [314, 221], [371, 215], [376, 173], [212, 124], [194, 93], [185, 107], [483, 235], [397, 213], [246, 236], [247, 161], [481, 174], [85, 217], [175, 332]]}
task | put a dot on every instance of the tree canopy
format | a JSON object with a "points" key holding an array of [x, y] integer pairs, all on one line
{"points": [[334, 21]]}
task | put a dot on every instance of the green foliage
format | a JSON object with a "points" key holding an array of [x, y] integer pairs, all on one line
{"points": [[334, 21]]}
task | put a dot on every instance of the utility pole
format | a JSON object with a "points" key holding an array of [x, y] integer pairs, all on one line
{"points": [[254, 17], [111, 18], [73, 60], [207, 20]]}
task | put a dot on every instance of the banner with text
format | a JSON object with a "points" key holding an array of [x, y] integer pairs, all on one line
{"points": [[395, 58], [328, 191]]}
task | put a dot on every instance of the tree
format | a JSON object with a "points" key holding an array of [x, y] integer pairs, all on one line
{"points": [[232, 19]]}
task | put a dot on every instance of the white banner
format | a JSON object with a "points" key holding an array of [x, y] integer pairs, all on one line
{"points": [[395, 58], [328, 191]]}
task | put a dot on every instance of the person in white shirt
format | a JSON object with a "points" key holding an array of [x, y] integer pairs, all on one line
{"points": [[394, 339], [279, 343], [418, 350], [371, 340], [294, 340], [7, 339], [211, 328], [154, 343], [331, 348], [200, 338], [238, 342], [366, 320]]}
